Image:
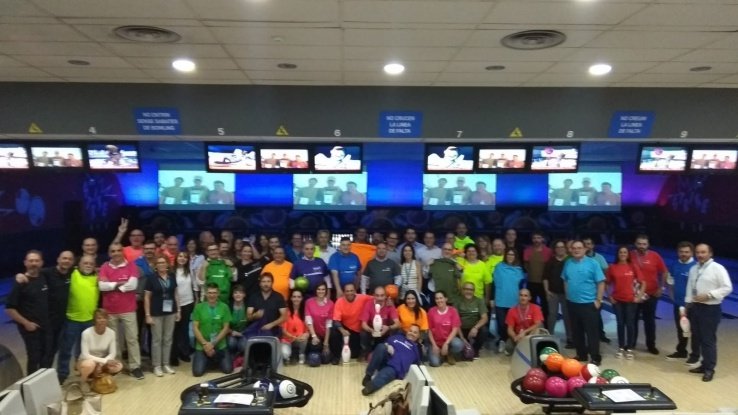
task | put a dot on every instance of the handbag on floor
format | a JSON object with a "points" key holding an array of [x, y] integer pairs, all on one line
{"points": [[396, 402], [75, 402]]}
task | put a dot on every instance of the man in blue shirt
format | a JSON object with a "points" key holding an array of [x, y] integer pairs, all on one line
{"points": [[584, 284], [677, 282], [345, 267], [314, 269], [391, 360]]}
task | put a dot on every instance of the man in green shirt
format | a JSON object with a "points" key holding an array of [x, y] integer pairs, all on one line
{"points": [[444, 274], [211, 323], [473, 314], [217, 270], [461, 239]]}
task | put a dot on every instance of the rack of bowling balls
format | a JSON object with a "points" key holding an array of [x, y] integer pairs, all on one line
{"points": [[553, 383]]}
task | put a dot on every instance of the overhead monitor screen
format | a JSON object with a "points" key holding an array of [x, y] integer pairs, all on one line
{"points": [[459, 191]]}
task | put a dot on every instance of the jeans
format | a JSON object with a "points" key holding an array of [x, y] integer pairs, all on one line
{"points": [[585, 330], [369, 342], [336, 343], [70, 342], [553, 314], [288, 348], [501, 313], [200, 362], [625, 314], [454, 347], [647, 312], [182, 346], [378, 364], [706, 318], [236, 344], [130, 336], [162, 332]]}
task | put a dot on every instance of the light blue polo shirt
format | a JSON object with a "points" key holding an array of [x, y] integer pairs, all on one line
{"points": [[582, 278]]}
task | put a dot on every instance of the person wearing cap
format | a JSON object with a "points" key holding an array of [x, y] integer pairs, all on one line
{"points": [[198, 192], [585, 196], [331, 193], [461, 194]]}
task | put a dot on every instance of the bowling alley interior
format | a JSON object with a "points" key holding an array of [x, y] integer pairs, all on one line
{"points": [[562, 174]]}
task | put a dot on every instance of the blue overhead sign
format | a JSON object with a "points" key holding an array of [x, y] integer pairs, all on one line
{"points": [[400, 124], [157, 121], [631, 124]]}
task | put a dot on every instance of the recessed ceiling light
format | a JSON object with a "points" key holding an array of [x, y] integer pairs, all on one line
{"points": [[78, 62], [278, 39], [495, 68], [184, 65], [394, 68], [600, 69], [700, 68], [286, 66]]}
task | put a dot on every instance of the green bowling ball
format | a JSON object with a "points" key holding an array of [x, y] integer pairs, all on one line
{"points": [[609, 374], [545, 352]]}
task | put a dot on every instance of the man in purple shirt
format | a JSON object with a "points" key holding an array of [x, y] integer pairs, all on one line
{"points": [[391, 360], [314, 269]]}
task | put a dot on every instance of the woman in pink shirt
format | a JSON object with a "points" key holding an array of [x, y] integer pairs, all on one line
{"points": [[319, 320], [444, 325]]}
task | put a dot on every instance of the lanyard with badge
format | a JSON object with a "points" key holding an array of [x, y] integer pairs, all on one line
{"points": [[167, 304]]}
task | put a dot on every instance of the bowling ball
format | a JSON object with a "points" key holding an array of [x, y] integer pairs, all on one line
{"points": [[590, 370], [392, 291], [534, 384], [325, 357], [619, 379], [554, 362], [468, 352], [313, 359], [301, 283], [537, 372], [575, 382], [599, 380], [286, 389], [556, 387], [545, 352], [571, 368], [264, 384], [609, 374]]}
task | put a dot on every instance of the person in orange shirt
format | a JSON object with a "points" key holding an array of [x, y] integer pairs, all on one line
{"points": [[362, 248], [294, 332], [347, 322], [281, 270]]}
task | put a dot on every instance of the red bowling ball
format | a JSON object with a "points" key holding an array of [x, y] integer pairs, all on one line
{"points": [[534, 384], [556, 387], [575, 382], [537, 372]]}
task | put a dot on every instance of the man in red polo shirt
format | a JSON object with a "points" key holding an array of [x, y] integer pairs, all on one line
{"points": [[522, 320], [654, 272]]}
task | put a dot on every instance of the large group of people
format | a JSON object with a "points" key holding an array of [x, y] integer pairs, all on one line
{"points": [[391, 303]]}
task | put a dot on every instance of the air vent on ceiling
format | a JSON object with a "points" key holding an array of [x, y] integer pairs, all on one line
{"points": [[533, 39], [146, 34]]}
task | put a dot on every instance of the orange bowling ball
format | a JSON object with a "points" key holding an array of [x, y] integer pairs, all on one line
{"points": [[571, 368], [554, 362], [392, 291]]}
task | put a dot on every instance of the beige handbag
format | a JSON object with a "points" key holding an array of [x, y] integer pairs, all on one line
{"points": [[76, 403]]}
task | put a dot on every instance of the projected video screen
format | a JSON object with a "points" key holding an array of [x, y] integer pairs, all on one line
{"points": [[330, 191], [585, 191], [444, 158], [710, 160], [57, 156], [459, 191], [196, 190], [554, 158], [13, 156], [671, 159], [113, 156], [231, 157], [502, 159], [284, 159], [337, 158]]}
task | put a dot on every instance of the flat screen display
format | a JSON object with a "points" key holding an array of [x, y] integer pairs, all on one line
{"points": [[713, 160], [663, 159], [459, 191], [196, 190], [57, 157], [502, 159], [113, 156], [554, 158], [13, 156], [337, 158], [231, 157], [445, 158], [282, 159], [599, 191], [330, 191]]}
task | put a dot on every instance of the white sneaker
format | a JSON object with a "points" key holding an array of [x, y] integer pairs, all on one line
{"points": [[501, 347], [158, 372], [301, 359], [629, 354], [620, 353], [168, 370]]}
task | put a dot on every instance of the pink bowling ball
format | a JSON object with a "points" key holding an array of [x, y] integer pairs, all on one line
{"points": [[556, 387], [537, 372], [575, 382]]}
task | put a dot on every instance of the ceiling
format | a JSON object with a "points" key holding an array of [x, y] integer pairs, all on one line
{"points": [[649, 43]]}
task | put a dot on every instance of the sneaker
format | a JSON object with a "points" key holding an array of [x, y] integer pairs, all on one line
{"points": [[653, 350], [168, 370], [596, 362], [301, 359], [368, 390], [629, 354], [692, 361], [501, 347], [676, 356], [605, 339], [137, 373], [620, 353], [366, 381], [158, 372], [451, 359]]}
